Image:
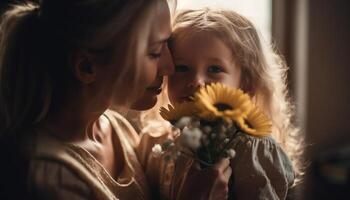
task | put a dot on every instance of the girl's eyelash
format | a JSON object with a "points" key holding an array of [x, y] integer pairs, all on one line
{"points": [[217, 69]]}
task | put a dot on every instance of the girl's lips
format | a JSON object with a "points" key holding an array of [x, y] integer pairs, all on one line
{"points": [[187, 98]]}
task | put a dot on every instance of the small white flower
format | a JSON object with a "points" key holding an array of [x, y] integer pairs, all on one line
{"points": [[231, 153], [157, 150], [249, 144], [226, 140], [183, 122], [191, 138]]}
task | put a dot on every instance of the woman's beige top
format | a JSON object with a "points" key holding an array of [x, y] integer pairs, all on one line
{"points": [[158, 172], [59, 170], [260, 170]]}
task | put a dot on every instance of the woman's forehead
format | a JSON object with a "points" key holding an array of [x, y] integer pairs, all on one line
{"points": [[161, 29]]}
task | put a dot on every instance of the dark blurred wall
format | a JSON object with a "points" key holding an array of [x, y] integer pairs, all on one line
{"points": [[314, 37], [328, 114], [327, 125], [4, 4]]}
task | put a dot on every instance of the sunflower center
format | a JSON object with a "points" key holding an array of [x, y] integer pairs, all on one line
{"points": [[248, 124], [222, 107]]}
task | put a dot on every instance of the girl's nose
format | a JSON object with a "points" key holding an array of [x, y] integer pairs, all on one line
{"points": [[197, 82]]}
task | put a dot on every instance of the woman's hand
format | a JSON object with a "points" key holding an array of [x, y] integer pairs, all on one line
{"points": [[208, 184]]}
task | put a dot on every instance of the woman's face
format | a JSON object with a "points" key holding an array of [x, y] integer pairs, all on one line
{"points": [[199, 59], [158, 60]]}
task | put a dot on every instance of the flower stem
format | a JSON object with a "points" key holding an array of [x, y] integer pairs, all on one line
{"points": [[228, 144], [196, 159]]}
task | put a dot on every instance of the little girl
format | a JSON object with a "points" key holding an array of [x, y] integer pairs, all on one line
{"points": [[222, 46]]}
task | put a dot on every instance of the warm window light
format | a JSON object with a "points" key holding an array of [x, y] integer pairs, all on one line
{"points": [[258, 11]]}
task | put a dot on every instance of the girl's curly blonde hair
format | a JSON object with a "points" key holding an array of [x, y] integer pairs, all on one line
{"points": [[264, 73]]}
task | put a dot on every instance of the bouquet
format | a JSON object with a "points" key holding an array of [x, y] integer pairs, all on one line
{"points": [[206, 127]]}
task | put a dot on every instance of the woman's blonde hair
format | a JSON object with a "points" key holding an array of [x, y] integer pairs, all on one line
{"points": [[263, 72], [37, 40]]}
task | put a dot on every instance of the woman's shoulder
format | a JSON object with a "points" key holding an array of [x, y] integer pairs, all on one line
{"points": [[121, 125], [116, 117], [156, 132], [57, 170], [46, 152], [157, 129], [53, 179], [54, 172]]}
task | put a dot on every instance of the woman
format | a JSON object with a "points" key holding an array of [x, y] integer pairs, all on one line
{"points": [[63, 64], [66, 62]]}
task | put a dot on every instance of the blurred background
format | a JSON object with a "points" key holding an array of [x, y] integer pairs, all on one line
{"points": [[314, 38]]}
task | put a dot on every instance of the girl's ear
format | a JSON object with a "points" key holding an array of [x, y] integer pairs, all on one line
{"points": [[84, 67]]}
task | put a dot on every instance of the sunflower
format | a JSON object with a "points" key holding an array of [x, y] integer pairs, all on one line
{"points": [[256, 123], [217, 101], [174, 113]]}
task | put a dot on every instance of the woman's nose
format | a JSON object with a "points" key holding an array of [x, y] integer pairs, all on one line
{"points": [[166, 64]]}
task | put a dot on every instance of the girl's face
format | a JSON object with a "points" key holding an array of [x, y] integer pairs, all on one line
{"points": [[199, 59]]}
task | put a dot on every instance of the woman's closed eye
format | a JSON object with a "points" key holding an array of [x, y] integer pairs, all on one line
{"points": [[181, 68], [215, 69], [154, 56]]}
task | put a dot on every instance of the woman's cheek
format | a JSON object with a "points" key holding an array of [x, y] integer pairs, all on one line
{"points": [[148, 72]]}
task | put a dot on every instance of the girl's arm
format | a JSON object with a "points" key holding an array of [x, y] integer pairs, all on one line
{"points": [[261, 169]]}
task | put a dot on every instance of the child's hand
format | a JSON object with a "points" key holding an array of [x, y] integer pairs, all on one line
{"points": [[222, 173], [210, 183]]}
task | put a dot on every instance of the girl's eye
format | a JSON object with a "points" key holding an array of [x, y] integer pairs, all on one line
{"points": [[181, 68], [154, 56], [215, 69]]}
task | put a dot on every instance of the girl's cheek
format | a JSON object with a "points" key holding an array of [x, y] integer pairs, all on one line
{"points": [[172, 94]]}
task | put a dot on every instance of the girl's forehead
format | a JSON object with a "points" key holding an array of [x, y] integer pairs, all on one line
{"points": [[196, 33], [203, 41]]}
